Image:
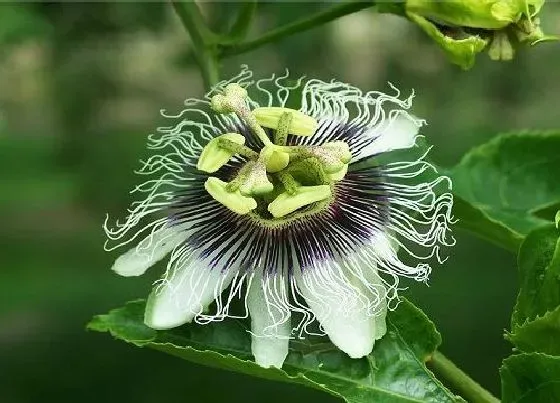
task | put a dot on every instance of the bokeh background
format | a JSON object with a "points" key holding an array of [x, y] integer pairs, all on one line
{"points": [[81, 86]]}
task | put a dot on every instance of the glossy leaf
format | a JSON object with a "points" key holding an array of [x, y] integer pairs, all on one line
{"points": [[530, 378], [539, 274], [394, 372], [507, 182]]}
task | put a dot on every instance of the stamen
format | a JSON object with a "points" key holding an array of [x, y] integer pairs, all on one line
{"points": [[301, 125], [287, 203], [233, 200], [234, 100], [215, 154]]}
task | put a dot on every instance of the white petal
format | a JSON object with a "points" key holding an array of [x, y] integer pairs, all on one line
{"points": [[400, 132], [185, 294], [270, 324], [340, 303], [149, 251]]}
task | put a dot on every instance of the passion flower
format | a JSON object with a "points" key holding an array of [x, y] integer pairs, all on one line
{"points": [[288, 210]]}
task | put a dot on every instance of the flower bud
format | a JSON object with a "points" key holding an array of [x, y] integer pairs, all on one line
{"points": [[214, 156], [301, 124], [286, 203], [234, 201], [464, 28], [488, 14]]}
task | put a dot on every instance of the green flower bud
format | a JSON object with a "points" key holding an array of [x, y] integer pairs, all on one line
{"points": [[214, 156], [484, 14], [464, 28], [461, 51], [286, 203], [301, 124], [275, 159], [234, 201], [254, 180]]}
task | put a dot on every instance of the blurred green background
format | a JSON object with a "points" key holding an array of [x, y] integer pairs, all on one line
{"points": [[81, 86]]}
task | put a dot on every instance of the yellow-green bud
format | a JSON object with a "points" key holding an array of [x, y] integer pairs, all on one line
{"points": [[301, 124], [213, 156], [286, 203], [275, 159], [234, 201]]}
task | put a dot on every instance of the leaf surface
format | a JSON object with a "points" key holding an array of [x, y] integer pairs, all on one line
{"points": [[395, 372]]}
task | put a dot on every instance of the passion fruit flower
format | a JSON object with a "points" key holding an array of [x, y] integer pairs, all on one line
{"points": [[286, 210]]}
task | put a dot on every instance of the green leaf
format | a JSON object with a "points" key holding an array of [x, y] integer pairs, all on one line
{"points": [[539, 274], [530, 378], [507, 181], [539, 335], [394, 372]]}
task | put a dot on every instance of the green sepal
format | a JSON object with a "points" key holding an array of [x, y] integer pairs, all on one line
{"points": [[234, 201], [301, 124], [459, 51], [213, 156], [286, 203]]}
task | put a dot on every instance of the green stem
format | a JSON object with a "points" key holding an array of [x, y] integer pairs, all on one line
{"points": [[461, 382], [304, 24], [203, 39], [243, 21]]}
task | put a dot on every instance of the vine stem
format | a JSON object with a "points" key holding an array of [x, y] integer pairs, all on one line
{"points": [[304, 24], [460, 381], [203, 39]]}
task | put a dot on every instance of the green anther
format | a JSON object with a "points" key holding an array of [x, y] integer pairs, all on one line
{"points": [[301, 125], [274, 158], [340, 150], [339, 175], [254, 180], [287, 203], [283, 128], [234, 201], [237, 148], [214, 156], [234, 100]]}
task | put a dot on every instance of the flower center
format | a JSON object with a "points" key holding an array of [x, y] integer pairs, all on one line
{"points": [[279, 183]]}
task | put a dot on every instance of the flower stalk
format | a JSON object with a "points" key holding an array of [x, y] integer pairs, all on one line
{"points": [[459, 380]]}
